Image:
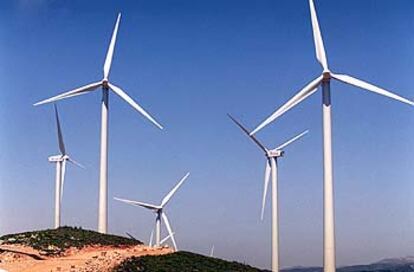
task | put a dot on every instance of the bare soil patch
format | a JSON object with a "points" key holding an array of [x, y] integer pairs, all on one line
{"points": [[19, 258]]}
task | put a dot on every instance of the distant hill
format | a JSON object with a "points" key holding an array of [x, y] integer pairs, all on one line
{"points": [[386, 265], [56, 241], [182, 262]]}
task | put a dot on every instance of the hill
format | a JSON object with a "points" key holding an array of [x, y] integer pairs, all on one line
{"points": [[69, 249], [387, 265], [56, 241], [181, 262]]}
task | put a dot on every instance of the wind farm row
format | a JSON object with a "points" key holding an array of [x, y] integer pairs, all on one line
{"points": [[272, 155]]}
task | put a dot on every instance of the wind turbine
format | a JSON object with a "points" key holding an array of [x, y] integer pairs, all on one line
{"points": [[60, 161], [212, 251], [160, 213], [324, 80], [106, 87], [272, 156]]}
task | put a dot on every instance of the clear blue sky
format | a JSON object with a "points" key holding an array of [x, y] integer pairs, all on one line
{"points": [[189, 63]]}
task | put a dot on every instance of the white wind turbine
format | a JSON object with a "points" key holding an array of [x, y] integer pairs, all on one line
{"points": [[271, 169], [60, 161], [212, 251], [106, 86], [160, 213], [324, 81]]}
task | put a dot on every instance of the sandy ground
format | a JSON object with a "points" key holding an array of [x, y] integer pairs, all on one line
{"points": [[17, 258]]}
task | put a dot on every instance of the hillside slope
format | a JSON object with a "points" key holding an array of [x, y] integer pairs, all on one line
{"points": [[181, 262], [190, 262], [68, 250], [56, 241]]}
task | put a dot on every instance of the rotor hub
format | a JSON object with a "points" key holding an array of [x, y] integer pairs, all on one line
{"points": [[326, 75], [105, 84]]}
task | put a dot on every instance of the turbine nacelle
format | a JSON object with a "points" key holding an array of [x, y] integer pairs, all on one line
{"points": [[275, 153], [58, 158]]}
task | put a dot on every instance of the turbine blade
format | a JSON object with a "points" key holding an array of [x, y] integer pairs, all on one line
{"points": [[307, 91], [137, 203], [78, 91], [248, 133], [76, 163], [131, 102], [266, 185], [130, 236], [62, 179], [59, 132], [165, 239], [372, 88], [172, 192], [151, 238], [297, 137], [317, 37], [167, 224], [110, 53]]}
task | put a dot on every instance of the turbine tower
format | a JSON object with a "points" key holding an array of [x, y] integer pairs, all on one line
{"points": [[60, 161], [271, 169], [160, 214], [212, 252], [324, 80], [106, 87]]}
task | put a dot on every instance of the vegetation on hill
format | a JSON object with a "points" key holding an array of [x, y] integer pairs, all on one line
{"points": [[181, 262], [56, 241]]}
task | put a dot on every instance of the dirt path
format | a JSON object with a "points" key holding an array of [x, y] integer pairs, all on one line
{"points": [[90, 259]]}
